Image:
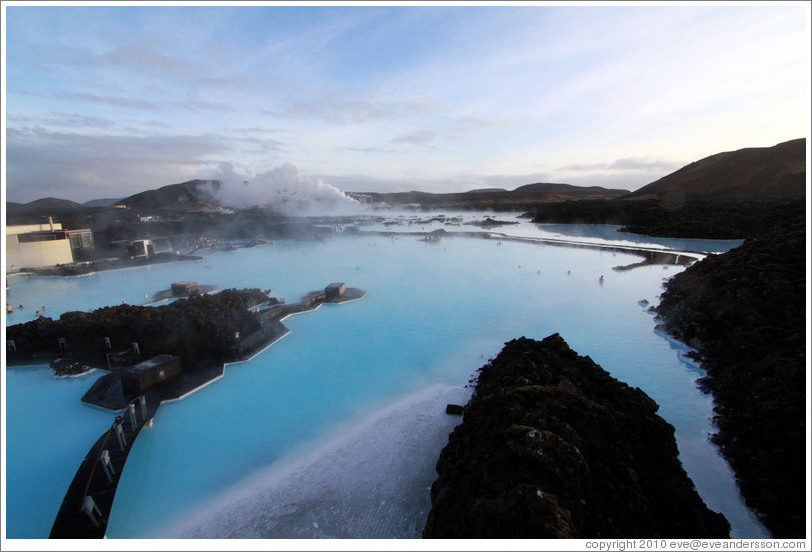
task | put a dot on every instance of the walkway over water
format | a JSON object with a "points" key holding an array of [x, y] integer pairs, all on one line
{"points": [[85, 510], [651, 255]]}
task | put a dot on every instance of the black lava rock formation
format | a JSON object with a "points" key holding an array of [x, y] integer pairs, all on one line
{"points": [[552, 446], [744, 313], [702, 219], [198, 329]]}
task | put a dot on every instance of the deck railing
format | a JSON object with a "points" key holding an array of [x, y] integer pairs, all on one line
{"points": [[102, 456]]}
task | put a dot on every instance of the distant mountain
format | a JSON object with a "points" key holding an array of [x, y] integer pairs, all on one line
{"points": [[191, 195], [523, 197], [485, 190], [45, 206], [54, 204], [186, 195], [101, 202], [777, 172], [731, 195]]}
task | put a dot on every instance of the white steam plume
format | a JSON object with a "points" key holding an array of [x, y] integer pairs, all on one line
{"points": [[283, 190]]}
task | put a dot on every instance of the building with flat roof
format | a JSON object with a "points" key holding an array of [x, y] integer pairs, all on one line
{"points": [[39, 245]]}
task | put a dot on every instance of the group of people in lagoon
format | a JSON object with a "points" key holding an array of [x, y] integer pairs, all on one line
{"points": [[10, 309]]}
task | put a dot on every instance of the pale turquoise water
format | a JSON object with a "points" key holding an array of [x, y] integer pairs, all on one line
{"points": [[433, 314], [48, 433]]}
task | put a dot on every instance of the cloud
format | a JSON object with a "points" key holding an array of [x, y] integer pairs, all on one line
{"points": [[61, 120], [417, 138], [140, 62], [584, 167], [144, 60], [447, 129], [624, 173], [202, 105], [43, 163], [342, 111], [365, 150], [465, 125], [412, 97], [642, 164], [107, 100], [257, 140], [258, 145], [257, 130]]}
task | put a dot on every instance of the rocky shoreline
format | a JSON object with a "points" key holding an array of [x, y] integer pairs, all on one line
{"points": [[744, 313], [700, 219], [203, 331], [551, 446]]}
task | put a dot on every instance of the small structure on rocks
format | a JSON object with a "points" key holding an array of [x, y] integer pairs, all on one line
{"points": [[144, 375], [179, 290], [335, 291], [182, 289]]}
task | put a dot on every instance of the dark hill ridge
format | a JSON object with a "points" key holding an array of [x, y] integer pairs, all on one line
{"points": [[519, 199], [552, 446], [106, 202], [54, 203], [701, 219], [486, 190], [729, 195], [777, 172], [184, 196], [44, 206], [190, 194]]}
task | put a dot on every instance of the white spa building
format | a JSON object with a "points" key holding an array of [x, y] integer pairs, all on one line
{"points": [[43, 244]]}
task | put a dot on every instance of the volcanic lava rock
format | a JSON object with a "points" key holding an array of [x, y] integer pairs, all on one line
{"points": [[454, 409], [68, 367], [200, 329], [744, 312], [698, 218], [551, 446]]}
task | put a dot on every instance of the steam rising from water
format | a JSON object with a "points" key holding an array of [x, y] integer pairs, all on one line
{"points": [[283, 190]]}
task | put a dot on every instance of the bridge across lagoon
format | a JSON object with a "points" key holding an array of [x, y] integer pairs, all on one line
{"points": [[86, 507], [650, 255]]}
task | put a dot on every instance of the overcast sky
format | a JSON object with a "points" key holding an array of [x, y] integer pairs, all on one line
{"points": [[107, 101]]}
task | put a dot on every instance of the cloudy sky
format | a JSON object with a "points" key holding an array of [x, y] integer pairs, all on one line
{"points": [[106, 101]]}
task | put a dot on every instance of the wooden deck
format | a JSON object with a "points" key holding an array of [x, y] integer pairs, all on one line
{"points": [[92, 481]]}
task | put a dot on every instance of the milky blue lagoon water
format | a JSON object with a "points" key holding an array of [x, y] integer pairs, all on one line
{"points": [[334, 430]]}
